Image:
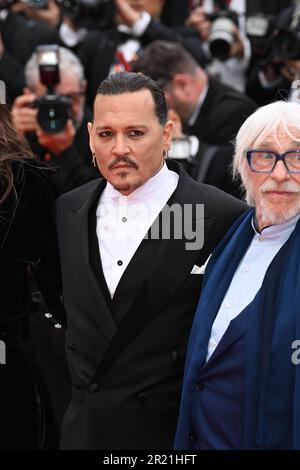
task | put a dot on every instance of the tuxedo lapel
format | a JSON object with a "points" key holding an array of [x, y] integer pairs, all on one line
{"points": [[236, 329], [133, 279], [83, 274]]}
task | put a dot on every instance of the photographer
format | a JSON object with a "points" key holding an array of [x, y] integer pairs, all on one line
{"points": [[67, 149], [272, 76], [222, 32]]}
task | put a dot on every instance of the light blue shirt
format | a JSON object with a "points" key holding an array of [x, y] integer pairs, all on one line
{"points": [[249, 276]]}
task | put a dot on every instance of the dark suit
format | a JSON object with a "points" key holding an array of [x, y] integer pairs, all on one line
{"points": [[126, 355], [20, 38], [221, 115], [32, 397], [212, 165]]}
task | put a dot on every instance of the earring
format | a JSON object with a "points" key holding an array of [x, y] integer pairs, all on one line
{"points": [[94, 159]]}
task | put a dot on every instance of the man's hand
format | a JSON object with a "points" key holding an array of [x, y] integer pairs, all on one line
{"points": [[237, 48], [2, 48], [126, 14], [24, 116], [199, 21], [49, 15], [57, 143]]}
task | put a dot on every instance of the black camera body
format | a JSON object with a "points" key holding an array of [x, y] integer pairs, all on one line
{"points": [[53, 110], [221, 36], [259, 30], [285, 44], [90, 14]]}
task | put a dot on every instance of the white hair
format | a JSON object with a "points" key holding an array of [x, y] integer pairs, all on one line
{"points": [[67, 62], [267, 121]]}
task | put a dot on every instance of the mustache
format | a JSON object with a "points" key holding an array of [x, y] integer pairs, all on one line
{"points": [[286, 186], [124, 159]]}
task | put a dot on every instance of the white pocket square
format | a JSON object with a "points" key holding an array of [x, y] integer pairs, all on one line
{"points": [[197, 270], [201, 270]]}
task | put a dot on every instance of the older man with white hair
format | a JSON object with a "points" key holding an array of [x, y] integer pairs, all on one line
{"points": [[242, 380]]}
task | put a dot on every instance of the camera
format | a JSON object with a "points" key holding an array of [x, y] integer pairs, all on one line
{"points": [[6, 4], [90, 14], [53, 110], [285, 45], [221, 36], [259, 30]]}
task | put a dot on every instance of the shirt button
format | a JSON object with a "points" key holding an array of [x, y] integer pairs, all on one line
{"points": [[120, 263], [227, 305], [200, 386], [124, 219], [93, 387]]}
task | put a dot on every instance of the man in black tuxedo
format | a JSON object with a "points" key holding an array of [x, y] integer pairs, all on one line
{"points": [[130, 282], [210, 110]]}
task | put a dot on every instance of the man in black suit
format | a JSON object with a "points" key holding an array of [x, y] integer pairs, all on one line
{"points": [[210, 110], [130, 282]]}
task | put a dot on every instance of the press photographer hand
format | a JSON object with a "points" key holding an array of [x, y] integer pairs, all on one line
{"points": [[24, 116], [49, 15], [59, 142], [126, 14], [198, 20]]}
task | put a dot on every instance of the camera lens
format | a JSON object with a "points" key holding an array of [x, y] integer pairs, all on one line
{"points": [[221, 38], [53, 113]]}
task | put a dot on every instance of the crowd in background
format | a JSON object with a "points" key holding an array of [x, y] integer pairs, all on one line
{"points": [[251, 47]]}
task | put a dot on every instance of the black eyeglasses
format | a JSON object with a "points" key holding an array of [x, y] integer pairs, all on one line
{"points": [[264, 160]]}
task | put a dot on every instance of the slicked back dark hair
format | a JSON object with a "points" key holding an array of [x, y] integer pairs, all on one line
{"points": [[162, 60], [129, 82]]}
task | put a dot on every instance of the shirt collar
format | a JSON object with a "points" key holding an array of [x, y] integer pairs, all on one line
{"points": [[196, 111], [69, 37], [275, 233]]}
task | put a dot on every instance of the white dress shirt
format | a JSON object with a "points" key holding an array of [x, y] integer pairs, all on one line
{"points": [[249, 277], [123, 221]]}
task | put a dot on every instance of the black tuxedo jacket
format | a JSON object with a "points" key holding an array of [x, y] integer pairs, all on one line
{"points": [[222, 113], [126, 355]]}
